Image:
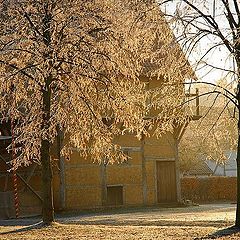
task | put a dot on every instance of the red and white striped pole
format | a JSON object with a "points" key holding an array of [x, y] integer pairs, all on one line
{"points": [[16, 200], [15, 183]]}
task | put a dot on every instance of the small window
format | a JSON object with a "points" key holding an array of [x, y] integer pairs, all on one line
{"points": [[114, 195]]}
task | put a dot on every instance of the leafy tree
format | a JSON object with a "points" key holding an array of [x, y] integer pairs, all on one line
{"points": [[212, 136], [75, 66], [217, 23]]}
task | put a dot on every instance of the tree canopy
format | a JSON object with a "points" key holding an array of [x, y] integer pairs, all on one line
{"points": [[212, 136], [89, 55], [78, 66]]}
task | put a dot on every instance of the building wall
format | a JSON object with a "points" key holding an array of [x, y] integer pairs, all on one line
{"points": [[82, 183], [85, 181]]}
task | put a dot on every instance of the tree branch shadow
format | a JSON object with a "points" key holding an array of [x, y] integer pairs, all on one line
{"points": [[38, 225], [221, 233]]}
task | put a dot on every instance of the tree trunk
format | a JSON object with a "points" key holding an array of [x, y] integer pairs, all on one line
{"points": [[237, 221], [47, 176], [237, 58], [60, 137], [144, 171], [104, 183]]}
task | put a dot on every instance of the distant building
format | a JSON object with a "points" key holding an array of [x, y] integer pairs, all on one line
{"points": [[229, 169], [212, 168], [200, 169]]}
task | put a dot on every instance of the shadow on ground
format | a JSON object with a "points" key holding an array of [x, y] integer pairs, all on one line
{"points": [[20, 222], [162, 223], [37, 225], [202, 216], [226, 232]]}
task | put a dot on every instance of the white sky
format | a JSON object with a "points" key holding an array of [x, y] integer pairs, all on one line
{"points": [[220, 57]]}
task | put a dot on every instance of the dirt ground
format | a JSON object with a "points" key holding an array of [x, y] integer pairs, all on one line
{"points": [[200, 222]]}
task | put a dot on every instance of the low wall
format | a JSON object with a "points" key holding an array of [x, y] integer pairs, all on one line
{"points": [[209, 188]]}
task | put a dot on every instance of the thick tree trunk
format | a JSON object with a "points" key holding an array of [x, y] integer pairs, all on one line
{"points": [[47, 176]]}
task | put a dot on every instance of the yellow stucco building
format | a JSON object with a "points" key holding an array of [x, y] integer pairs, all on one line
{"points": [[149, 177]]}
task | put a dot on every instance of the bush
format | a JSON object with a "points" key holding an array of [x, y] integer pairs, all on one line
{"points": [[209, 188]]}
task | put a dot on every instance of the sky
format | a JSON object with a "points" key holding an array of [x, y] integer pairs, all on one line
{"points": [[219, 57]]}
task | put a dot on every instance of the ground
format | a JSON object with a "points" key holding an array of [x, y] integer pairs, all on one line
{"points": [[211, 221]]}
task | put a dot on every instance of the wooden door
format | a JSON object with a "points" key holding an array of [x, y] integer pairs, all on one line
{"points": [[166, 182]]}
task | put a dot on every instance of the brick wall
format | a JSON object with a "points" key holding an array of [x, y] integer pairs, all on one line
{"points": [[209, 188]]}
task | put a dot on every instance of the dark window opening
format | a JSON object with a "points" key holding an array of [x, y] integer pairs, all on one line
{"points": [[114, 195]]}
